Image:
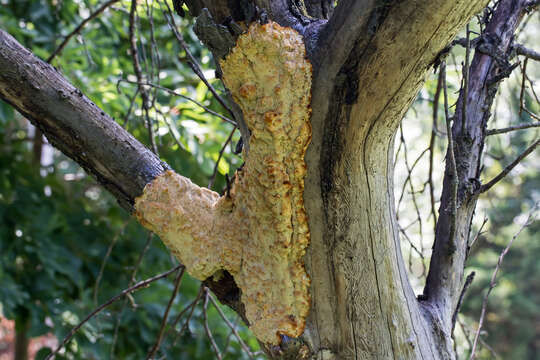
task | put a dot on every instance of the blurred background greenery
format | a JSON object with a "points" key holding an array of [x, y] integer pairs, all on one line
{"points": [[66, 247]]}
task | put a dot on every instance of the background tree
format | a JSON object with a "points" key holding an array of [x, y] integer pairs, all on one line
{"points": [[358, 98]]}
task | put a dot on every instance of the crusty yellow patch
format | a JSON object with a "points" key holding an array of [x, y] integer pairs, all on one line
{"points": [[259, 234]]}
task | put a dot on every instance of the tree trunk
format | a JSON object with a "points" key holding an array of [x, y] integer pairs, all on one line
{"points": [[369, 58], [22, 326]]}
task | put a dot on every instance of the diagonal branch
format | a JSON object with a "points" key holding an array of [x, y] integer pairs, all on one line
{"points": [[84, 132], [509, 168], [74, 124], [78, 29], [445, 278], [137, 286]]}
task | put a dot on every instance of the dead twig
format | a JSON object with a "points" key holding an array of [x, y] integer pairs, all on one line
{"points": [[528, 53], [468, 282], [493, 283], [190, 315], [244, 346], [193, 64], [104, 262], [79, 28], [177, 283], [207, 328], [214, 173], [138, 74], [139, 285], [522, 91], [175, 93], [509, 168], [131, 282], [512, 128]]}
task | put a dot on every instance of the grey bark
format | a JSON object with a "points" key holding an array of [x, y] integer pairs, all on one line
{"points": [[363, 306], [445, 278], [74, 124]]}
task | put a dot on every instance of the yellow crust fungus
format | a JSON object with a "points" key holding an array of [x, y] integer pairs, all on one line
{"points": [[259, 233]]}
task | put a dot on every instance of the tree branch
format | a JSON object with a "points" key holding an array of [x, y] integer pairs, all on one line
{"points": [[512, 128], [139, 285], [509, 168], [83, 23], [528, 53], [445, 278], [82, 131], [492, 283], [74, 124]]}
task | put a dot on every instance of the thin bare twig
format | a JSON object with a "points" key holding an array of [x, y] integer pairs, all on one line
{"points": [[229, 336], [79, 28], [468, 282], [138, 73], [512, 128], [193, 64], [129, 290], [413, 247], [522, 92], [244, 346], [104, 262], [536, 117], [177, 283], [471, 243], [190, 315], [175, 93], [493, 283], [207, 328], [452, 158], [509, 168], [214, 173], [466, 332], [191, 306], [131, 282]]}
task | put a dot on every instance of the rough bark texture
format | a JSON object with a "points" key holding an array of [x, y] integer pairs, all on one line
{"points": [[445, 278], [363, 306], [74, 124], [369, 59]]}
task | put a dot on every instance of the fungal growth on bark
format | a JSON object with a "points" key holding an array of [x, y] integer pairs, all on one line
{"points": [[258, 232]]}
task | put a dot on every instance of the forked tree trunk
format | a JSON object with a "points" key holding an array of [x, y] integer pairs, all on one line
{"points": [[369, 58]]}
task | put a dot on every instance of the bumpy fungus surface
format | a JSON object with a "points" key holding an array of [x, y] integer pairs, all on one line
{"points": [[259, 233]]}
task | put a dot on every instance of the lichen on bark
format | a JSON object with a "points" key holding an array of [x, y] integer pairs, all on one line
{"points": [[259, 232]]}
